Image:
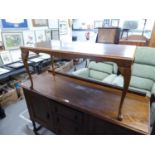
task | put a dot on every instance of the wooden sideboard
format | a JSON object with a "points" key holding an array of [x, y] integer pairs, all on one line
{"points": [[137, 40], [66, 105], [123, 55]]}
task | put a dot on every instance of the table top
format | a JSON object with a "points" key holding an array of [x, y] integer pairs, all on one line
{"points": [[111, 52], [102, 102]]}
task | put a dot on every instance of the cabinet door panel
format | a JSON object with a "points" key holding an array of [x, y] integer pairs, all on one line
{"points": [[67, 127], [68, 113], [39, 108]]}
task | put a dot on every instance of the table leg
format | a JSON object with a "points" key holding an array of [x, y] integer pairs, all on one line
{"points": [[126, 72], [25, 55]]}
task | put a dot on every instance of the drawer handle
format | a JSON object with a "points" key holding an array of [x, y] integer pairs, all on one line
{"points": [[47, 115]]}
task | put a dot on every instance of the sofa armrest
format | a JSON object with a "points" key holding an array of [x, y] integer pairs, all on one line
{"points": [[84, 72]]}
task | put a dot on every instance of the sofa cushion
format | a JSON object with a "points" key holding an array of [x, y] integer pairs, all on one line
{"points": [[102, 67], [109, 79], [145, 55], [114, 65], [97, 75], [141, 83], [144, 71], [83, 72], [136, 83], [118, 81]]}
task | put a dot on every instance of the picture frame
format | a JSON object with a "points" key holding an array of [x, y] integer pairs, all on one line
{"points": [[6, 57], [115, 22], [29, 38], [62, 27], [98, 23], [53, 23], [12, 40], [39, 22], [40, 35], [14, 23], [48, 35]]}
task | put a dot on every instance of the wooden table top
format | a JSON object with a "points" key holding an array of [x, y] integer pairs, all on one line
{"points": [[102, 102], [98, 51]]}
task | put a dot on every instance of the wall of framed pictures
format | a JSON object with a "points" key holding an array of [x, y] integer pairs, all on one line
{"points": [[17, 32]]}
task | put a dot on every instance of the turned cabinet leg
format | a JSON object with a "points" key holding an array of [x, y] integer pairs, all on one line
{"points": [[34, 128]]}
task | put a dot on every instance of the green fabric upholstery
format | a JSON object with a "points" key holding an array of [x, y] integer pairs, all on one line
{"points": [[109, 79], [136, 84], [97, 70], [145, 55], [118, 81], [97, 74], [145, 71], [141, 83], [153, 89], [84, 72], [152, 113], [102, 67]]}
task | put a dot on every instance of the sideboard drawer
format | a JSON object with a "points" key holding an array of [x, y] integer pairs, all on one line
{"points": [[66, 127], [68, 113]]}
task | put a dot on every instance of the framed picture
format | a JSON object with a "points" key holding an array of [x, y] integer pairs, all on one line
{"points": [[6, 57], [53, 23], [12, 40], [55, 34], [29, 38], [98, 23], [39, 22], [48, 35], [14, 23], [40, 35], [114, 22], [63, 27]]}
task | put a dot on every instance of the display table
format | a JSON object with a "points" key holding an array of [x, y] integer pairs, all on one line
{"points": [[121, 54], [66, 105]]}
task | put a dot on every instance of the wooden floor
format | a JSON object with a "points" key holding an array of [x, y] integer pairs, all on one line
{"points": [[96, 100]]}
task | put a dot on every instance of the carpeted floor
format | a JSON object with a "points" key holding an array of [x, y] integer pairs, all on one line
{"points": [[17, 121]]}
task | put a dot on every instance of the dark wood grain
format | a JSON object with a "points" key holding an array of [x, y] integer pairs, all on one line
{"points": [[95, 100]]}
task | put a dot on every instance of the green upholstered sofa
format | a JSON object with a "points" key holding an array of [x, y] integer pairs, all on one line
{"points": [[143, 72], [142, 78], [99, 71]]}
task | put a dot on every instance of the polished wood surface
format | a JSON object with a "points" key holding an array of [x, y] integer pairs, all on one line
{"points": [[123, 55], [152, 40], [101, 102], [95, 51], [137, 40]]}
